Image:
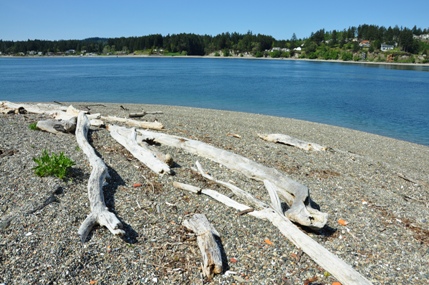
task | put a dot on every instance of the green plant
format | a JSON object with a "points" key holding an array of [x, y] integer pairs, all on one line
{"points": [[54, 165], [33, 126]]}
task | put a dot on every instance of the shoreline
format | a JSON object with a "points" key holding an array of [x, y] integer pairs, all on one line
{"points": [[350, 138], [247, 113], [380, 186], [228, 57]]}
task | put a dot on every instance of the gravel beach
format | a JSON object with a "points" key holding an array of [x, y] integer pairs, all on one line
{"points": [[378, 185]]}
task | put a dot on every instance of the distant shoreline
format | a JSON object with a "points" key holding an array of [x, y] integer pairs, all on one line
{"points": [[222, 57]]}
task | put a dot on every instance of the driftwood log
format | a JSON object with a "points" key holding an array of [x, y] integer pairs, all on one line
{"points": [[288, 140], [295, 194], [99, 212], [142, 153], [40, 108], [206, 239], [246, 196], [57, 126], [327, 260], [134, 123], [70, 112], [143, 113]]}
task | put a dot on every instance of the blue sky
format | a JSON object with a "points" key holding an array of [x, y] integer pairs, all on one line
{"points": [[78, 19]]}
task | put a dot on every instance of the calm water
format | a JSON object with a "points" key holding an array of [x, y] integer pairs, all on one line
{"points": [[386, 100]]}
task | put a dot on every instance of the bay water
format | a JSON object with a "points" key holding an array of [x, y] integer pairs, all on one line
{"points": [[388, 100]]}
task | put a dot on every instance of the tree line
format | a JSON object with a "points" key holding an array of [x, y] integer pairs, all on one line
{"points": [[320, 44]]}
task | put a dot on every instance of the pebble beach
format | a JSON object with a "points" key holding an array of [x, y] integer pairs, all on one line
{"points": [[376, 186]]}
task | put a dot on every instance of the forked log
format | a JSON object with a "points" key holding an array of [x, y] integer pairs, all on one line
{"points": [[288, 140], [99, 212], [142, 153], [327, 260], [234, 189], [134, 123], [206, 239], [214, 194], [296, 194]]}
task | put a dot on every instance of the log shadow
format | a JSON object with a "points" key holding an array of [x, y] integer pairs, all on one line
{"points": [[225, 265], [78, 175], [327, 231], [109, 191]]}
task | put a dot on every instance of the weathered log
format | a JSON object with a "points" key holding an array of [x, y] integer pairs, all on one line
{"points": [[327, 260], [142, 153], [275, 201], [96, 122], [94, 119], [57, 111], [71, 112], [133, 123], [143, 113], [40, 108], [99, 212], [206, 239], [57, 126], [234, 189], [288, 140], [214, 194], [296, 194]]}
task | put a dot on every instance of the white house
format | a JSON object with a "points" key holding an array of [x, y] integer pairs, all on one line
{"points": [[385, 47], [279, 49]]}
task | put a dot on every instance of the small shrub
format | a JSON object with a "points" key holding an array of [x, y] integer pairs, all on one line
{"points": [[52, 165], [275, 54], [259, 54], [285, 54], [346, 56], [33, 126]]}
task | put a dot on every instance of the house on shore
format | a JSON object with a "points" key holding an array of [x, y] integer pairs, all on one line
{"points": [[279, 49], [423, 37], [385, 47], [365, 43]]}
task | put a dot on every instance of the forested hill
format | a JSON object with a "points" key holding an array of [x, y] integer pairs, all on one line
{"points": [[365, 42]]}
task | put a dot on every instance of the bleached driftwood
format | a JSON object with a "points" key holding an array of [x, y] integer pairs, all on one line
{"points": [[295, 194], [96, 122], [143, 154], [288, 140], [134, 123], [72, 112], [214, 194], [99, 212], [327, 260], [143, 113], [57, 126], [40, 108], [234, 189], [206, 239]]}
